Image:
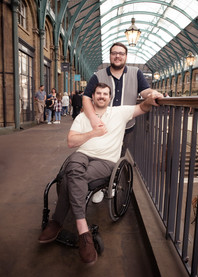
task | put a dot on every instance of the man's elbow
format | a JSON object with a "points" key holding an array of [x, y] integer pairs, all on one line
{"points": [[70, 144]]}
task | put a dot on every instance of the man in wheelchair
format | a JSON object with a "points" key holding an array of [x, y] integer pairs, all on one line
{"points": [[98, 151]]}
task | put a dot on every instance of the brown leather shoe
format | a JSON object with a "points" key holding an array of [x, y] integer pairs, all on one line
{"points": [[51, 232], [87, 250]]}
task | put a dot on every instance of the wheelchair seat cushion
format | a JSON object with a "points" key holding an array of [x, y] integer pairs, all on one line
{"points": [[98, 183]]}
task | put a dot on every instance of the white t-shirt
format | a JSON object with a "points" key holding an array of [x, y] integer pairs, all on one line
{"points": [[108, 146]]}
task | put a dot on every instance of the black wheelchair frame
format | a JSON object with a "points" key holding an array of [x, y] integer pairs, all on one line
{"points": [[117, 189]]}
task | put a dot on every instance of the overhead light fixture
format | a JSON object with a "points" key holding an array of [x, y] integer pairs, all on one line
{"points": [[132, 34], [190, 59], [156, 75]]}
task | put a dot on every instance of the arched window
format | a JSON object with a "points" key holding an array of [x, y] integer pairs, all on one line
{"points": [[22, 14], [45, 38]]}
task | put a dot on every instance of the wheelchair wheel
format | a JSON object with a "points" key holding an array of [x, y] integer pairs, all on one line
{"points": [[98, 243], [120, 188]]}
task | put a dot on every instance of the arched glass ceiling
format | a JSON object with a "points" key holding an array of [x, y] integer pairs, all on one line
{"points": [[159, 22]]}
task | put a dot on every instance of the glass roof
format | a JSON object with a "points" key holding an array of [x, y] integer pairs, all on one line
{"points": [[158, 21]]}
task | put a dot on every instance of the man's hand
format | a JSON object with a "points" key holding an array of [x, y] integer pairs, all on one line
{"points": [[152, 96], [150, 92], [99, 130], [76, 139], [155, 94]]}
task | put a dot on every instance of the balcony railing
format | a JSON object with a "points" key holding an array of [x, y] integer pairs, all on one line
{"points": [[165, 151]]}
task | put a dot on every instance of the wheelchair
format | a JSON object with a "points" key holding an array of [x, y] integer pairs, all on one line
{"points": [[117, 190]]}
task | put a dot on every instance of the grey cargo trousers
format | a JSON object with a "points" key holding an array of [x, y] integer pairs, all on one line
{"points": [[77, 172]]}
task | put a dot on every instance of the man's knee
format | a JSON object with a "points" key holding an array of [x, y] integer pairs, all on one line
{"points": [[77, 163]]}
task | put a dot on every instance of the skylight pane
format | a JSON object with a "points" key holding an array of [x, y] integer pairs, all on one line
{"points": [[158, 22], [189, 6]]}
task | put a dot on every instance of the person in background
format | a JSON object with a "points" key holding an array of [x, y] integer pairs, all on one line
{"points": [[126, 83], [70, 102], [53, 93], [76, 104], [58, 108], [49, 108], [40, 98], [65, 103]]}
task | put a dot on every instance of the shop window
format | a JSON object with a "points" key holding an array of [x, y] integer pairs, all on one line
{"points": [[196, 77], [22, 14], [26, 87]]}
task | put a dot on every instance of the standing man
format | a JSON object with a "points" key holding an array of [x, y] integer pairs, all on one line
{"points": [[126, 82], [76, 104], [40, 98]]}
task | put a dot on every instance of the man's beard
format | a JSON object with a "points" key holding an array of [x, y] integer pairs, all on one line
{"points": [[117, 67]]}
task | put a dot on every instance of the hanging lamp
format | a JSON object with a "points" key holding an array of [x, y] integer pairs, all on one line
{"points": [[132, 33]]}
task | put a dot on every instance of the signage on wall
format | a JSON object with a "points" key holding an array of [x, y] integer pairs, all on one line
{"points": [[77, 77], [64, 67], [83, 83]]}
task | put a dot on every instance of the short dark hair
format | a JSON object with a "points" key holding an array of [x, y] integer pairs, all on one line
{"points": [[54, 89], [102, 85], [119, 44]]}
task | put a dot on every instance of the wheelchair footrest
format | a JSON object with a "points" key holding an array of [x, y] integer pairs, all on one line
{"points": [[67, 238], [94, 229]]}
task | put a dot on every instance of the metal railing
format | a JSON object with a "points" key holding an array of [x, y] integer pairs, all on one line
{"points": [[165, 151]]}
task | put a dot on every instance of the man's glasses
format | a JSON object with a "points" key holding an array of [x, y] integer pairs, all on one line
{"points": [[118, 53]]}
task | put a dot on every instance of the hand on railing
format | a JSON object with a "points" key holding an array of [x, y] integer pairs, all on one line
{"points": [[150, 101]]}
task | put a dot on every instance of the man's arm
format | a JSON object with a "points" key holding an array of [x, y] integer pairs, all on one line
{"points": [[36, 96], [150, 92], [87, 102], [146, 105], [90, 113], [76, 139], [143, 86]]}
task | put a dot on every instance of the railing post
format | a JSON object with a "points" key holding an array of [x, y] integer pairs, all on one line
{"points": [[190, 186], [181, 177], [195, 245], [168, 165], [174, 171]]}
